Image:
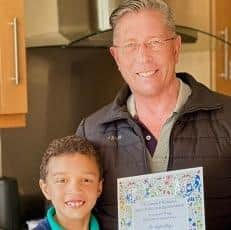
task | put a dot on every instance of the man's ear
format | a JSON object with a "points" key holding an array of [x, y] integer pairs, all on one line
{"points": [[45, 190], [114, 54], [177, 48]]}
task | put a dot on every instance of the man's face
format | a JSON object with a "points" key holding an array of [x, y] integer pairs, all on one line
{"points": [[144, 57], [73, 185]]}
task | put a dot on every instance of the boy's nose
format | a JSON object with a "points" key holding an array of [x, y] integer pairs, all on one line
{"points": [[75, 186]]}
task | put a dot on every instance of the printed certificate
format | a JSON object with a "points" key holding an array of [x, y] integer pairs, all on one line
{"points": [[172, 200]]}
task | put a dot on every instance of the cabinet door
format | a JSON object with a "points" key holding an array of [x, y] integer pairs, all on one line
{"points": [[13, 92], [222, 22]]}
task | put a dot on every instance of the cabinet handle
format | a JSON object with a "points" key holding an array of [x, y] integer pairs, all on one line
{"points": [[229, 77], [225, 35], [14, 23]]}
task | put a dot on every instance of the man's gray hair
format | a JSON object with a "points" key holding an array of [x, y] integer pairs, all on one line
{"points": [[129, 6]]}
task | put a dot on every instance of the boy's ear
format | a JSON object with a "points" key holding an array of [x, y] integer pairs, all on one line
{"points": [[45, 190], [100, 187]]}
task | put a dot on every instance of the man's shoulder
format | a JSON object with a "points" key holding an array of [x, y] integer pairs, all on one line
{"points": [[111, 111], [43, 225], [203, 95], [93, 122], [225, 101], [99, 116], [216, 102], [92, 126], [222, 97]]}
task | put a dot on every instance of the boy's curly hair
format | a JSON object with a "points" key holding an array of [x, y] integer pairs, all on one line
{"points": [[68, 145]]}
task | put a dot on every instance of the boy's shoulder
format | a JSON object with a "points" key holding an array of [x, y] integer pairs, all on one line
{"points": [[43, 225]]}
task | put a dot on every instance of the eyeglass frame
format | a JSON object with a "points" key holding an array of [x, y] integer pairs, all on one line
{"points": [[136, 45]]}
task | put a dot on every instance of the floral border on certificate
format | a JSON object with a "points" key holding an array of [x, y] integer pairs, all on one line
{"points": [[184, 183]]}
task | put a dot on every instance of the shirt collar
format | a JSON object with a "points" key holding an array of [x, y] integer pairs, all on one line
{"points": [[93, 225], [50, 216], [184, 93], [131, 105]]}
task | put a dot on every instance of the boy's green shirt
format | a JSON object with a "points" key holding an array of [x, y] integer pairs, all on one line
{"points": [[93, 224]]}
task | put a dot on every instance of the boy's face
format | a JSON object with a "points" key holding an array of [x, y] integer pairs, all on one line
{"points": [[73, 185]]}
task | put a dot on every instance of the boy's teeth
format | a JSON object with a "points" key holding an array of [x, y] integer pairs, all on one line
{"points": [[74, 204]]}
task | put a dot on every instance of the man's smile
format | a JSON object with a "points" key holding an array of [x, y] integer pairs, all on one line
{"points": [[147, 74]]}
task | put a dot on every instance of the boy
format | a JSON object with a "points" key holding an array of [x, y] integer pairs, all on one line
{"points": [[71, 178]]}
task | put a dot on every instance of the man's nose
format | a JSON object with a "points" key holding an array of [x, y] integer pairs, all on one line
{"points": [[143, 53]]}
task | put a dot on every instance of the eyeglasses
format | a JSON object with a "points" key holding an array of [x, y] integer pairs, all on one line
{"points": [[151, 45]]}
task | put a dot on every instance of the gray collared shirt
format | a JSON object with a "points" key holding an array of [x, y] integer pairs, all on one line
{"points": [[159, 160]]}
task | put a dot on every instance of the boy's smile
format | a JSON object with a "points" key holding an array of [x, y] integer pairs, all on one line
{"points": [[75, 203]]}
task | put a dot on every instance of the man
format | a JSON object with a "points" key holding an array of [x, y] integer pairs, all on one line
{"points": [[160, 120]]}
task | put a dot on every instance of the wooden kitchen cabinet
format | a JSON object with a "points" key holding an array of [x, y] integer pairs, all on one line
{"points": [[208, 59], [13, 86], [222, 56]]}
